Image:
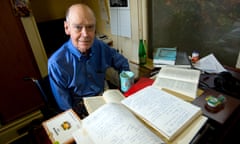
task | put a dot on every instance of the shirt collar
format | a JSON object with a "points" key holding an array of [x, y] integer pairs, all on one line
{"points": [[76, 52]]}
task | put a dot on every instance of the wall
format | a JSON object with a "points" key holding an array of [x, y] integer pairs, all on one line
{"points": [[206, 26], [127, 46], [45, 10], [42, 11], [49, 16]]}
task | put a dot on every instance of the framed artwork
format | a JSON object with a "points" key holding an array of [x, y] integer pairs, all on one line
{"points": [[21, 7], [119, 3]]}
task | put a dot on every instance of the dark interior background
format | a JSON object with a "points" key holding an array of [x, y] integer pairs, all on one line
{"points": [[52, 34], [206, 26]]}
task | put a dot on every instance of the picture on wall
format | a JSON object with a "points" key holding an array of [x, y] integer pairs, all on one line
{"points": [[118, 3]]}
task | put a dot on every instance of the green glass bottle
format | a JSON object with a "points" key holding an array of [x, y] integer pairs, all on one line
{"points": [[142, 53]]}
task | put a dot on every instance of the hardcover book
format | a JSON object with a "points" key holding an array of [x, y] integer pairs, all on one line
{"points": [[165, 56], [61, 127], [167, 116], [181, 61]]}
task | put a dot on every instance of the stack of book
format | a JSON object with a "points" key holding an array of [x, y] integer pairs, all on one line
{"points": [[170, 57]]}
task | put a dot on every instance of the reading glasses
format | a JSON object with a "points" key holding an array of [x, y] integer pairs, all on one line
{"points": [[88, 28]]}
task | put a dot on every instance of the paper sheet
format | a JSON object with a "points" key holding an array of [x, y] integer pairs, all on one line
{"points": [[114, 123], [209, 64], [163, 111], [120, 22]]}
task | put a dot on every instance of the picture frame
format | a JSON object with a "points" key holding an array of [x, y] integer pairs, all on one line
{"points": [[119, 3]]}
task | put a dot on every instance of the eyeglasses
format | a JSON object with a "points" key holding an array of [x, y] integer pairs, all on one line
{"points": [[89, 28]]}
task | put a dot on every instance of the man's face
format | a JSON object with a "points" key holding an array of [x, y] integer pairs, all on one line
{"points": [[81, 28]]}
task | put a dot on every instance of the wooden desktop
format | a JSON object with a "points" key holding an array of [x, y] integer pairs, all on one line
{"points": [[224, 123]]}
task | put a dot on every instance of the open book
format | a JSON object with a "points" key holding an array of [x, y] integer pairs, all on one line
{"points": [[148, 116], [109, 96], [182, 82], [113, 123], [164, 114]]}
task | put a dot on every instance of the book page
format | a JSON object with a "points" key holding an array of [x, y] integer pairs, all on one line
{"points": [[114, 123], [187, 88], [81, 137], [113, 96], [61, 127], [93, 103], [190, 132], [184, 81], [166, 113], [109, 96], [190, 75], [183, 96]]}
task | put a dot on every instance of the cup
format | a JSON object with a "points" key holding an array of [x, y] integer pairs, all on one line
{"points": [[195, 56], [126, 80]]}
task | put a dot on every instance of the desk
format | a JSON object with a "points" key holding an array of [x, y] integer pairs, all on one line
{"points": [[224, 124], [221, 125], [223, 121], [221, 116]]}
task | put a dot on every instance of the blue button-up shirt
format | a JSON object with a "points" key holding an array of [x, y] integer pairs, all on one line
{"points": [[73, 75]]}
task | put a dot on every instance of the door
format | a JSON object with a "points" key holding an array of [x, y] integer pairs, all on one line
{"points": [[18, 97]]}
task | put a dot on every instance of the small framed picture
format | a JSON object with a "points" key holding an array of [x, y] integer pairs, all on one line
{"points": [[21, 7], [119, 4]]}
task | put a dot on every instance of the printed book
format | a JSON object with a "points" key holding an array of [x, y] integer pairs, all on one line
{"points": [[165, 56], [180, 80], [182, 61], [166, 115]]}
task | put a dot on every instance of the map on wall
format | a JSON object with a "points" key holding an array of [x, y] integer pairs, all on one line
{"points": [[209, 26]]}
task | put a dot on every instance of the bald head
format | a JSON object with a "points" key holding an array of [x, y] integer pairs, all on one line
{"points": [[80, 11]]}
